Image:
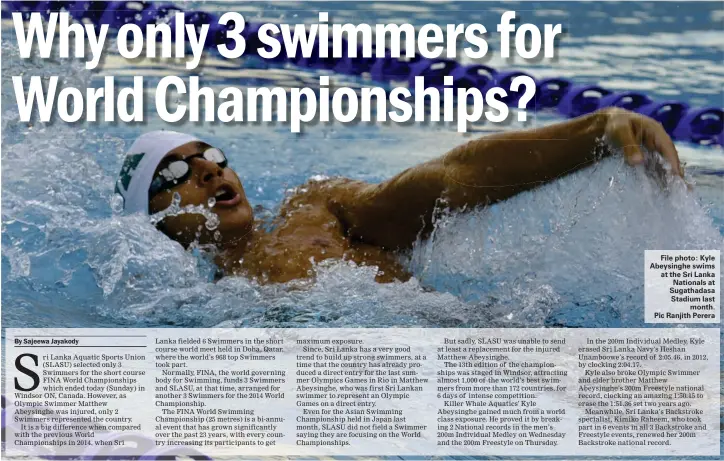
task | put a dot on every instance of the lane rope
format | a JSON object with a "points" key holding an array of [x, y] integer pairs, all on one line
{"points": [[704, 126]]}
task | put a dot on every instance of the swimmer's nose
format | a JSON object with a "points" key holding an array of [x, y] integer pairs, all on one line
{"points": [[209, 170]]}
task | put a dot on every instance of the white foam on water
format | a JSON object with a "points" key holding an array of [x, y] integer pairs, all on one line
{"points": [[580, 238]]}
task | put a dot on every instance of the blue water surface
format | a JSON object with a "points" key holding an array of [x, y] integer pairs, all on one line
{"points": [[567, 254]]}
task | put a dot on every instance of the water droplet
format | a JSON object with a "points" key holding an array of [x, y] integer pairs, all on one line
{"points": [[211, 202], [212, 222], [217, 236], [117, 203]]}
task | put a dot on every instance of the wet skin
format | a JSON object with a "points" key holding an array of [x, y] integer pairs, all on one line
{"points": [[371, 224], [207, 180], [305, 227]]}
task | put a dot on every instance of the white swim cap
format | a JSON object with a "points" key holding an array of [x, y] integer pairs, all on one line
{"points": [[141, 162]]}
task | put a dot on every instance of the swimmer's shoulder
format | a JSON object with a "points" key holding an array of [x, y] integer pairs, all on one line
{"points": [[321, 190]]}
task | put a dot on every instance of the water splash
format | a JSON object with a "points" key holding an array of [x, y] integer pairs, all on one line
{"points": [[117, 204], [578, 240], [175, 209]]}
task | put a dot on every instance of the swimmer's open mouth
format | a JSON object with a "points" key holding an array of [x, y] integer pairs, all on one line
{"points": [[226, 196]]}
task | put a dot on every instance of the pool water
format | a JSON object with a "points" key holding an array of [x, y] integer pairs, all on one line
{"points": [[567, 254]]}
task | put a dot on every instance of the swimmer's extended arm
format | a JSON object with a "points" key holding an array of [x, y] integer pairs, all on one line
{"points": [[490, 169]]}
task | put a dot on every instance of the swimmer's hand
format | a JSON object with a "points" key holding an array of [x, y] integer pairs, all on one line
{"points": [[631, 132]]}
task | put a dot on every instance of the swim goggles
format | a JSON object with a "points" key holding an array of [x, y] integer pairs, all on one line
{"points": [[178, 171]]}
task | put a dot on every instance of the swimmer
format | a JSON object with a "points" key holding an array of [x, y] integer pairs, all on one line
{"points": [[354, 220]]}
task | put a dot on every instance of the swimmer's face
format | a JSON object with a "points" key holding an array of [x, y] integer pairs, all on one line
{"points": [[203, 175]]}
